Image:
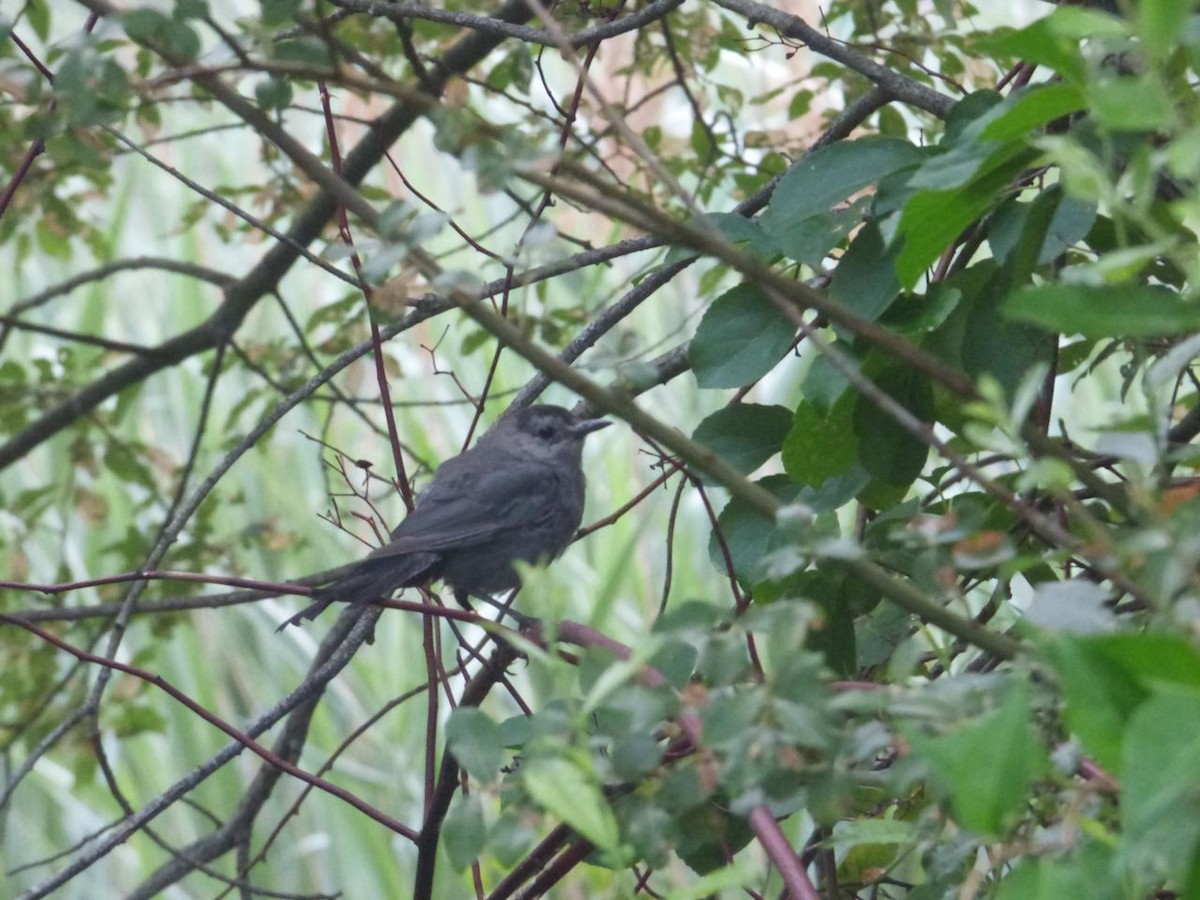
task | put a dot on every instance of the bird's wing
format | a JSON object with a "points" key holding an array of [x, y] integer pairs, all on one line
{"points": [[462, 507]]}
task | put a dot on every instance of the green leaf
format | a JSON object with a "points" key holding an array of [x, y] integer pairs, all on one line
{"points": [[144, 24], [1161, 25], [1071, 220], [1087, 872], [824, 383], [932, 220], [37, 14], [747, 532], [475, 741], [887, 450], [1105, 679], [706, 836], [830, 175], [1160, 784], [740, 339], [173, 37], [464, 832], [1132, 104], [129, 466], [1030, 109], [865, 280], [273, 93], [978, 338], [192, 9], [987, 767], [566, 792], [308, 50], [856, 832], [515, 69], [1098, 311], [745, 435], [279, 12], [841, 598], [1055, 40], [512, 837], [821, 446], [733, 228], [810, 240], [917, 314]]}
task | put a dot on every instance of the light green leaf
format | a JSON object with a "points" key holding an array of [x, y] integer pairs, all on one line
{"points": [[566, 792], [1097, 311], [475, 741], [1160, 784], [988, 766], [464, 833]]}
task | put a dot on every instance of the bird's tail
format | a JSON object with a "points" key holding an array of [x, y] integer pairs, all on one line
{"points": [[366, 585]]}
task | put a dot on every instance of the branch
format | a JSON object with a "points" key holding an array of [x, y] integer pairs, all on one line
{"points": [[500, 28], [339, 656], [899, 86]]}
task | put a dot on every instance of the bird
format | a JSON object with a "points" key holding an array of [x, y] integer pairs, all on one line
{"points": [[516, 495]]}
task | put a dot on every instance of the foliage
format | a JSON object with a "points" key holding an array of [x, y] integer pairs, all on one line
{"points": [[912, 613]]}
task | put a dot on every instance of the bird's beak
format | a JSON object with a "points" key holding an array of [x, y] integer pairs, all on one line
{"points": [[586, 426]]}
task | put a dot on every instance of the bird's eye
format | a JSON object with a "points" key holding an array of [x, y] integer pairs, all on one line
{"points": [[545, 432]]}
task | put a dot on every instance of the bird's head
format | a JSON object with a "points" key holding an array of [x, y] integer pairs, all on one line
{"points": [[547, 432]]}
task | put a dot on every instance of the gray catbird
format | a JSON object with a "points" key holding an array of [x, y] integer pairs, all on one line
{"points": [[516, 495]]}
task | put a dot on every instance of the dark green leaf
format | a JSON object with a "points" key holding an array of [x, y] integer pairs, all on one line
{"points": [[37, 14], [747, 533], [745, 435], [1071, 220], [887, 450], [144, 24], [734, 228], [1087, 872], [310, 51], [273, 93], [915, 314], [809, 241], [279, 12], [820, 446], [515, 69], [865, 280], [708, 835], [740, 339], [1054, 41], [727, 717], [635, 756], [830, 175], [192, 9], [978, 338]]}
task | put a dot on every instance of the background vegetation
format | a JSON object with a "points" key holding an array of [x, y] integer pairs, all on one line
{"points": [[888, 583]]}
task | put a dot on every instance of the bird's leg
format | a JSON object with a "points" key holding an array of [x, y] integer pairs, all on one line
{"points": [[505, 608]]}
